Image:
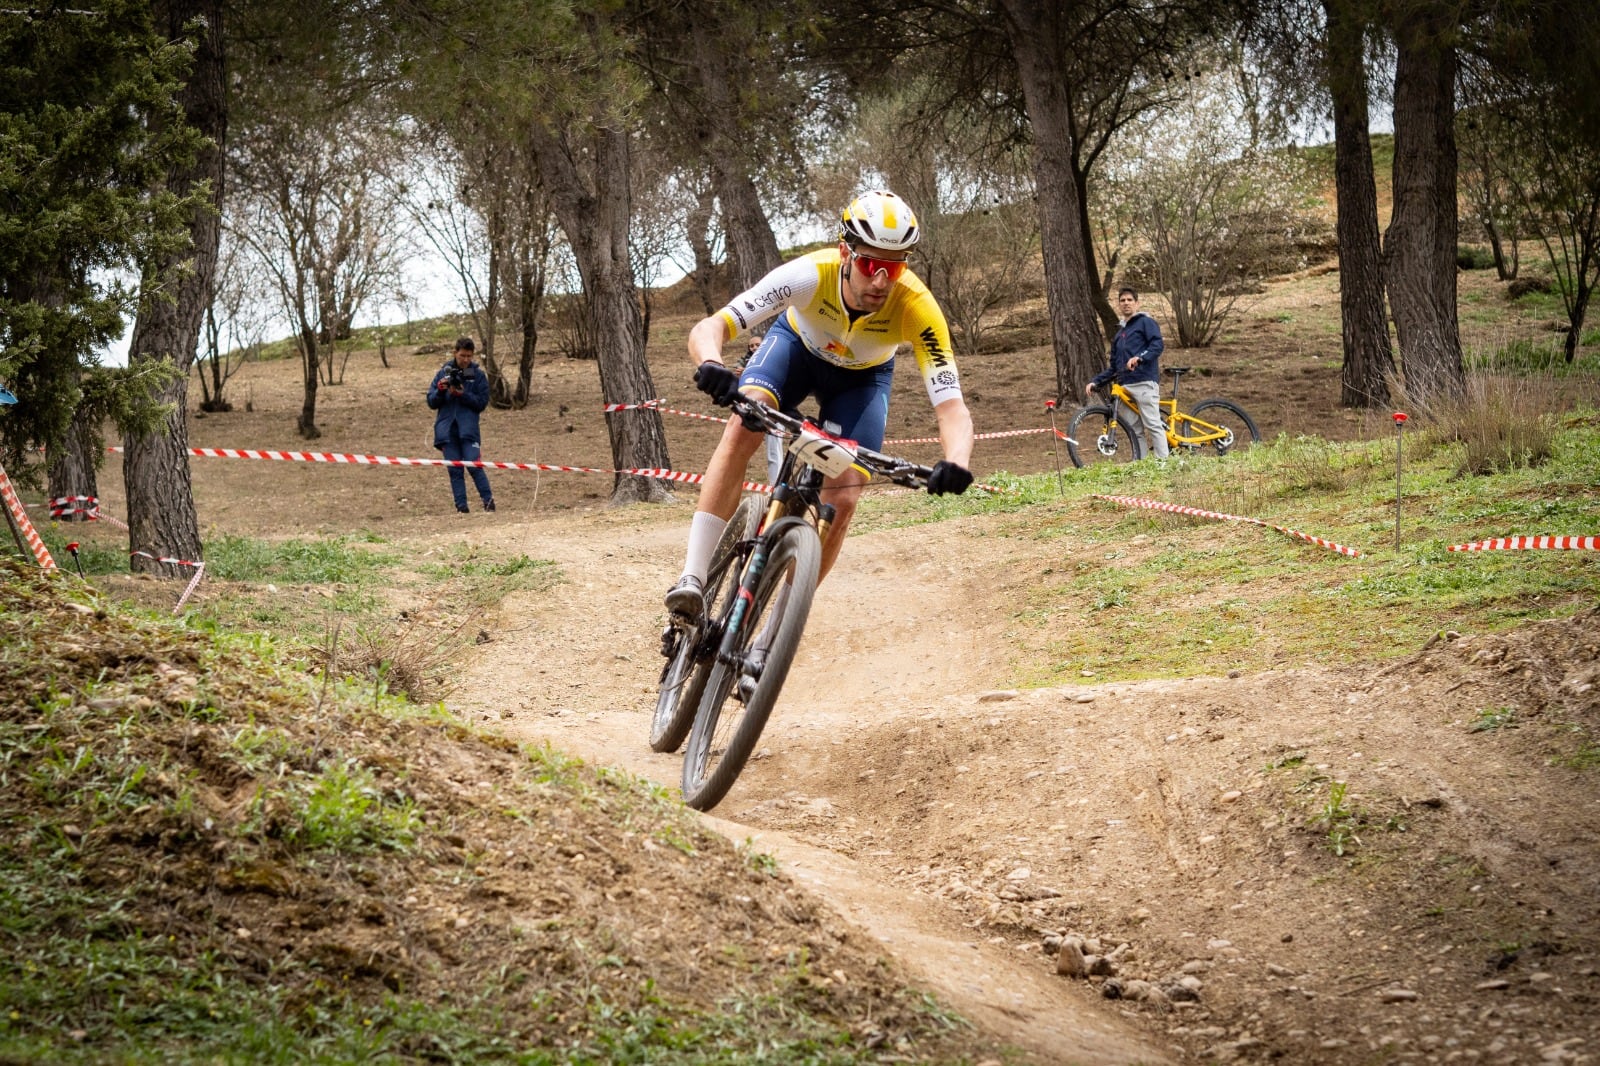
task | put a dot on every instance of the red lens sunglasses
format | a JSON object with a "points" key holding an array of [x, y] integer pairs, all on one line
{"points": [[892, 268]]}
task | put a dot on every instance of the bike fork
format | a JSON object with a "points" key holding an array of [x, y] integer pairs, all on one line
{"points": [[745, 597]]}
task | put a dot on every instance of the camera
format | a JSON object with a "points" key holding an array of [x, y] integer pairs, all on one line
{"points": [[456, 378]]}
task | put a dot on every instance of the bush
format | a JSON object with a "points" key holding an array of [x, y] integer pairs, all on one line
{"points": [[1502, 422], [1521, 287], [1474, 257], [1521, 354]]}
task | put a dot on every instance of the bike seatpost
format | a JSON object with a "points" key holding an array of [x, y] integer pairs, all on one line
{"points": [[1177, 373]]}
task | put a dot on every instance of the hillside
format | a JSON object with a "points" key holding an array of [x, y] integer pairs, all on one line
{"points": [[1338, 810]]}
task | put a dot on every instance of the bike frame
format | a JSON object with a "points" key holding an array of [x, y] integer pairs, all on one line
{"points": [[796, 497], [1195, 431]]}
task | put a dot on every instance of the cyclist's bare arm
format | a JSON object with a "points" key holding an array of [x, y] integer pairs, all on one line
{"points": [[955, 431], [707, 338]]}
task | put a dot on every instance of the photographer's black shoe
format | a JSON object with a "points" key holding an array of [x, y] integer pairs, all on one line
{"points": [[461, 508], [687, 597], [488, 505]]}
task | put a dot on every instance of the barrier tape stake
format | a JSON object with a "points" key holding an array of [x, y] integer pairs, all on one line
{"points": [[73, 548], [1055, 446], [1399, 449]]}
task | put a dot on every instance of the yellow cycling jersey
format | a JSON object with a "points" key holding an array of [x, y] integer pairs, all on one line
{"points": [[810, 287]]}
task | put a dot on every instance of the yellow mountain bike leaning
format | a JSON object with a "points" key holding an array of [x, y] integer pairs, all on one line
{"points": [[1112, 431]]}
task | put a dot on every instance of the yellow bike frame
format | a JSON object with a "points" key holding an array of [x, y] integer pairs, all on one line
{"points": [[1195, 431]]}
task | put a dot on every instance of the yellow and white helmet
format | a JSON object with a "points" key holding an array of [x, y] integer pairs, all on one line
{"points": [[881, 219]]}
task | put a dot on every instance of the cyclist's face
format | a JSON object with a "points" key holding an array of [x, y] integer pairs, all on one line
{"points": [[866, 289]]}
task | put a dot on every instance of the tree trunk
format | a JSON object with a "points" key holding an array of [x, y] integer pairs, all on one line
{"points": [[310, 364], [1100, 298], [1068, 289], [72, 464], [594, 214], [705, 268], [530, 297], [1420, 246], [752, 247], [161, 516], [1368, 357]]}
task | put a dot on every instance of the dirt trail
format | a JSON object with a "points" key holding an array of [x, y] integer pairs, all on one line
{"points": [[894, 635], [1181, 823]]}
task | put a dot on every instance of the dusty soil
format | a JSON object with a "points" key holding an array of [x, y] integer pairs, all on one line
{"points": [[964, 825]]}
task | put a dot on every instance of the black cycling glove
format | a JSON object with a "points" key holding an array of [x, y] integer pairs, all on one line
{"points": [[717, 382], [949, 477]]}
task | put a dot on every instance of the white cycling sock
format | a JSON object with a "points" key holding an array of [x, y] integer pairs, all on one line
{"points": [[704, 533]]}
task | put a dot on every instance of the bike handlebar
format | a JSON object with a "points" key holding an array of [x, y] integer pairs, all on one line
{"points": [[900, 471]]}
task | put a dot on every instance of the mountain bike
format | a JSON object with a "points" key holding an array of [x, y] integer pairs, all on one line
{"points": [[1097, 435], [725, 669]]}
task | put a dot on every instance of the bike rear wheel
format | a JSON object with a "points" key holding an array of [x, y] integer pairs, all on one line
{"points": [[1226, 415], [1091, 438], [684, 677], [729, 722]]}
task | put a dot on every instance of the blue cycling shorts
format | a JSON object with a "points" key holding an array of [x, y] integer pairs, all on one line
{"points": [[853, 404]]}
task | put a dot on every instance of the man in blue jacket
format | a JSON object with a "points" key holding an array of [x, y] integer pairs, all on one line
{"points": [[460, 391], [1136, 366]]}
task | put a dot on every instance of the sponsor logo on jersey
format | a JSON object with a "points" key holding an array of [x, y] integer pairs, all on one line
{"points": [[930, 340], [744, 323], [775, 295], [945, 378]]}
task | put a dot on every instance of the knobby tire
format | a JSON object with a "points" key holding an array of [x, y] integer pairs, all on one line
{"points": [[725, 729], [1228, 415], [1085, 430], [684, 677]]}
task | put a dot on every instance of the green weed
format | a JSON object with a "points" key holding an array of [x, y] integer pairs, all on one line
{"points": [[324, 561], [1337, 820], [1493, 718]]}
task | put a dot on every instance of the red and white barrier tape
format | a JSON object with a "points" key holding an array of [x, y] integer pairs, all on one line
{"points": [[1498, 544], [1156, 505], [13, 504], [178, 562], [340, 458], [975, 436], [66, 506], [655, 405]]}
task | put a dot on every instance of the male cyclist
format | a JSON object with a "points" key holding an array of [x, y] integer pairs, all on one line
{"points": [[845, 313]]}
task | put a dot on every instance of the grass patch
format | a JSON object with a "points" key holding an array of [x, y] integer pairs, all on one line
{"points": [[327, 560], [1188, 595], [1492, 719], [212, 855]]}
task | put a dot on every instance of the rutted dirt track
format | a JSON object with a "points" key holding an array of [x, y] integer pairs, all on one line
{"points": [[959, 824], [1174, 817]]}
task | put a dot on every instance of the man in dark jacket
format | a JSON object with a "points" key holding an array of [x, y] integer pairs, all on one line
{"points": [[1136, 366], [460, 391]]}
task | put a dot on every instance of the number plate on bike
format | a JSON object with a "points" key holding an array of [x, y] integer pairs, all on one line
{"points": [[831, 455]]}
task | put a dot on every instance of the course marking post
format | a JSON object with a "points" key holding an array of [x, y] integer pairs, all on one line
{"points": [[1399, 448], [1055, 446]]}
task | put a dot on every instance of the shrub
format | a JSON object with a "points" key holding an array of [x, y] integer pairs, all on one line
{"points": [[1521, 354], [1503, 422], [1521, 287], [1474, 257]]}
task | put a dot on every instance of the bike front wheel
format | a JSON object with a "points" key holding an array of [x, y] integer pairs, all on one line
{"points": [[737, 698], [683, 679], [1238, 429], [1093, 437]]}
